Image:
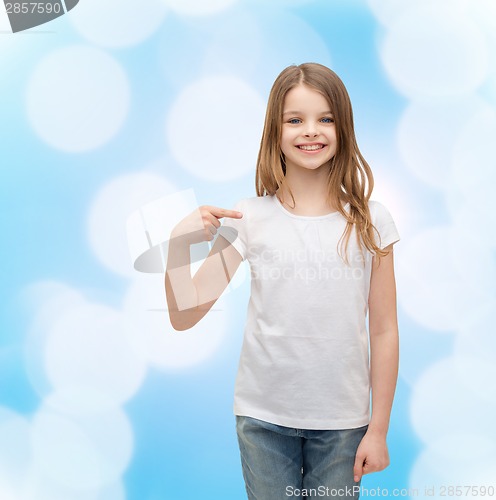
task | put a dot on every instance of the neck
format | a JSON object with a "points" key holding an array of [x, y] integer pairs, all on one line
{"points": [[309, 188]]}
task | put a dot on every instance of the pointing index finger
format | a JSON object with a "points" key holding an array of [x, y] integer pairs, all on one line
{"points": [[223, 212]]}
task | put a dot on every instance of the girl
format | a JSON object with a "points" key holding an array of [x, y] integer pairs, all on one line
{"points": [[321, 255]]}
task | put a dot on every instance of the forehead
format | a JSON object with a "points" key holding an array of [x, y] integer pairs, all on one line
{"points": [[303, 97]]}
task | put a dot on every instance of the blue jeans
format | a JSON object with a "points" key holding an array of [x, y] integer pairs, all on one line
{"points": [[282, 463]]}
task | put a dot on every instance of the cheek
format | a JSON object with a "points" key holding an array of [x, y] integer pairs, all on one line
{"points": [[286, 142], [289, 137]]}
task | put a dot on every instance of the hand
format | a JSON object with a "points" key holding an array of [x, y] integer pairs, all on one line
{"points": [[202, 224], [371, 456]]}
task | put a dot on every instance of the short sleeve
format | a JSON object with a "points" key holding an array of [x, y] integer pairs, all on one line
{"points": [[384, 223], [234, 230]]}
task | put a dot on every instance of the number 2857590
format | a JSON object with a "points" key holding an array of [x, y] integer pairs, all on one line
{"points": [[33, 8]]}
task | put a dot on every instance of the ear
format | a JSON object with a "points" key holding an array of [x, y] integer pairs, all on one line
{"points": [[35, 14]]}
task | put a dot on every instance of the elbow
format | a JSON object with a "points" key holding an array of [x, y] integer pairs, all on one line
{"points": [[180, 326], [187, 318], [384, 332], [184, 320]]}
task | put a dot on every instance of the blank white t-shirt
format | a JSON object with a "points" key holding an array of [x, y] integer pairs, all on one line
{"points": [[304, 361]]}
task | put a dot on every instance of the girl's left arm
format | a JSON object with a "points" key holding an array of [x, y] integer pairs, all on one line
{"points": [[372, 454]]}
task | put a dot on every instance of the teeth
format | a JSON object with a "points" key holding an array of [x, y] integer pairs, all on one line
{"points": [[311, 148]]}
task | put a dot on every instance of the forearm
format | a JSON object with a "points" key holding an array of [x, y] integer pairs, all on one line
{"points": [[384, 354], [179, 286]]}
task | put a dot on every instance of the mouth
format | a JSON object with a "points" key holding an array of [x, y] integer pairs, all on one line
{"points": [[311, 147]]}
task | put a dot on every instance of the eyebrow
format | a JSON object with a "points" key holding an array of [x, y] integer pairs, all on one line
{"points": [[299, 112]]}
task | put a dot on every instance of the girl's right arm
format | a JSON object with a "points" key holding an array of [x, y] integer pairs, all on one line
{"points": [[190, 298]]}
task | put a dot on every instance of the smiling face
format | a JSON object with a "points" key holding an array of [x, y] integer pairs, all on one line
{"points": [[308, 138]]}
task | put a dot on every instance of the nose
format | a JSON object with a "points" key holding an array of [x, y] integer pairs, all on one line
{"points": [[311, 130]]}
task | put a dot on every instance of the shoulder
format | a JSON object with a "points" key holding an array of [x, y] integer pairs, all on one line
{"points": [[254, 203], [375, 206], [384, 223], [378, 211], [251, 208]]}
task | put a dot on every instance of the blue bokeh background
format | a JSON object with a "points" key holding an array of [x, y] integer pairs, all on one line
{"points": [[422, 79]]}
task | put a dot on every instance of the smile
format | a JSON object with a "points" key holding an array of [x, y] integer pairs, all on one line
{"points": [[311, 147]]}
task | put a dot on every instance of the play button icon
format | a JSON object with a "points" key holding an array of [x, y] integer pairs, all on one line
{"points": [[23, 15]]}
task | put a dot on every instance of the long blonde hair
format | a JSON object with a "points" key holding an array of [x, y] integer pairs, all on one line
{"points": [[350, 178]]}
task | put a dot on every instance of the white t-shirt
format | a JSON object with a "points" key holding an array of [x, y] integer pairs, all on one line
{"points": [[304, 361]]}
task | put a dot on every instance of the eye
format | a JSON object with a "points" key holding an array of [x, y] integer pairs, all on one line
{"points": [[328, 119], [294, 121]]}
